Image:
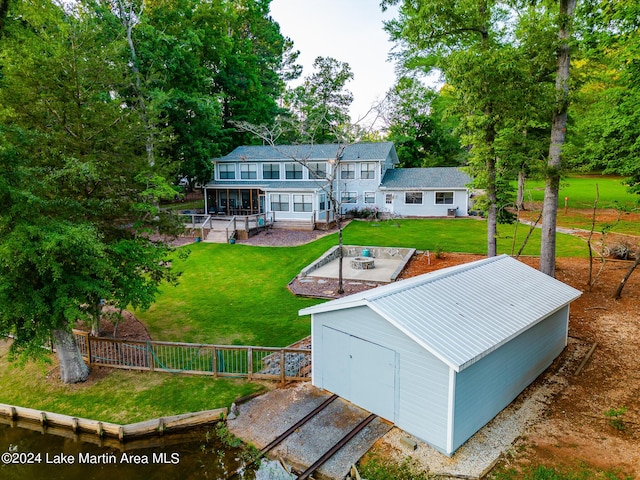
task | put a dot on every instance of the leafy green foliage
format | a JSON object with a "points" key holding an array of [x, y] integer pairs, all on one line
{"points": [[80, 197], [319, 108], [607, 110], [418, 128], [615, 418]]}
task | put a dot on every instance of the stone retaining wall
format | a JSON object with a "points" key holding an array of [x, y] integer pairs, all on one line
{"points": [[404, 254]]}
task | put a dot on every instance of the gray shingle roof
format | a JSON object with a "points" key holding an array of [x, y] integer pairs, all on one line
{"points": [[422, 178], [356, 151], [461, 314]]}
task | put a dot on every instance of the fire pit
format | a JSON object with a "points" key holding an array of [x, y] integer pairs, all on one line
{"points": [[362, 263]]}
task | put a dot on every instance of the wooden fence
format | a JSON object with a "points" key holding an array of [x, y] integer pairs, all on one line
{"points": [[254, 363]]}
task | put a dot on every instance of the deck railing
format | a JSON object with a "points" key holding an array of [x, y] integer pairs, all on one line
{"points": [[264, 363]]}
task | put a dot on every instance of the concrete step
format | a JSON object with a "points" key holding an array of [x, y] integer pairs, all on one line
{"points": [[216, 236], [293, 225]]}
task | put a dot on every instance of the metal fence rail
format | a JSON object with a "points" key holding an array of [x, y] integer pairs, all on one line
{"points": [[283, 364]]}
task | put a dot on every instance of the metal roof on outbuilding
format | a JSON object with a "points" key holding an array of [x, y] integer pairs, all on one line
{"points": [[461, 314], [322, 152], [425, 178]]}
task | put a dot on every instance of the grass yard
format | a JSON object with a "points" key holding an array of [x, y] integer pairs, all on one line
{"points": [[581, 190], [465, 235], [237, 295], [581, 193], [118, 396]]}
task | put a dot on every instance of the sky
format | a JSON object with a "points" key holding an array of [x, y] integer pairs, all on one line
{"points": [[350, 31]]}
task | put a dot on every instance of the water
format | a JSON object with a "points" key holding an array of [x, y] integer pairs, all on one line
{"points": [[29, 454]]}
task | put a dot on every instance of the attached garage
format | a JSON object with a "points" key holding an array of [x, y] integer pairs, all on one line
{"points": [[441, 354]]}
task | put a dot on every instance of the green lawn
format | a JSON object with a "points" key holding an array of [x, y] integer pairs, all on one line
{"points": [[581, 191], [468, 235], [236, 294], [120, 396]]}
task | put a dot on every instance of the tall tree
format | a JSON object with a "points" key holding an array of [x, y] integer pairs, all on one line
{"points": [[198, 67], [461, 39], [416, 124], [606, 110], [320, 106], [558, 131], [81, 194]]}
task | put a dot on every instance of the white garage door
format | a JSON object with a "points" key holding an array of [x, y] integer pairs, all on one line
{"points": [[360, 371]]}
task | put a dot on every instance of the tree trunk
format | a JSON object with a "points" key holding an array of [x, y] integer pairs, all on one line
{"points": [[492, 214], [623, 282], [558, 130], [520, 200], [72, 366]]}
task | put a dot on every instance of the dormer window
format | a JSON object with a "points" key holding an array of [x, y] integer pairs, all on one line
{"points": [[248, 171], [317, 170], [293, 171], [347, 171], [368, 170], [227, 171]]}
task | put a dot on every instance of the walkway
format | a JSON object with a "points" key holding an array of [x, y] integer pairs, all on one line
{"points": [[264, 418]]}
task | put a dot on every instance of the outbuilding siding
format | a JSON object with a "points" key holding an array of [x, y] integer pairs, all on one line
{"points": [[467, 341], [488, 386], [422, 380]]}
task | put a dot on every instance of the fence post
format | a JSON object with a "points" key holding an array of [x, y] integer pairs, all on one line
{"points": [[150, 356], [249, 362], [215, 362], [89, 359], [282, 375]]}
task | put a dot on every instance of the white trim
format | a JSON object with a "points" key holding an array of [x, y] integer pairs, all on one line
{"points": [[451, 410]]}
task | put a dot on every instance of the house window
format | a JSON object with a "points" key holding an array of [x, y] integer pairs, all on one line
{"points": [[368, 170], [293, 171], [271, 171], [388, 198], [322, 201], [248, 171], [444, 198], [347, 171], [413, 198], [369, 197], [349, 197], [317, 170], [227, 171], [280, 202], [302, 203]]}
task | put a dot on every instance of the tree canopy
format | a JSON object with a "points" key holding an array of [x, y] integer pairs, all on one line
{"points": [[102, 104]]}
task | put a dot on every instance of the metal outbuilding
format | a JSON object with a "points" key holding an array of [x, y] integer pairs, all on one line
{"points": [[441, 354]]}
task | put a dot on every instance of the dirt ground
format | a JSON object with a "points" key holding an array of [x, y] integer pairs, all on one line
{"points": [[575, 429]]}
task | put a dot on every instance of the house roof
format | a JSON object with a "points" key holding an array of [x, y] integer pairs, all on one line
{"points": [[323, 152], [461, 314], [425, 178]]}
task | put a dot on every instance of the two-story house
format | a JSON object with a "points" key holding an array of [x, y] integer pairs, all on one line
{"points": [[296, 182]]}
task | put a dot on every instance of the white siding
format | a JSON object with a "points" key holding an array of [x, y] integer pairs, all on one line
{"points": [[488, 386], [428, 207], [422, 380]]}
